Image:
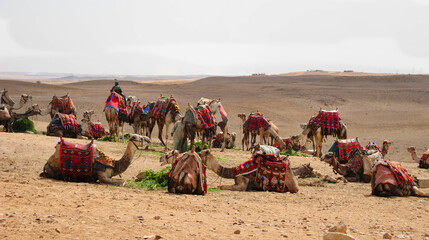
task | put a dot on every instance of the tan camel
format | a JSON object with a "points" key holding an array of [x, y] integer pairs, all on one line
{"points": [[7, 119], [423, 160], [101, 172], [87, 126], [57, 129], [270, 131], [384, 150], [52, 112], [193, 125], [368, 158], [242, 182], [171, 116], [318, 133], [116, 120], [266, 135], [6, 101], [219, 114], [246, 133], [141, 122], [384, 183]]}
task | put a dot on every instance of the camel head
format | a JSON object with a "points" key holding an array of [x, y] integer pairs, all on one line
{"points": [[208, 159], [34, 109], [24, 98], [168, 157], [242, 116], [411, 149], [139, 141], [303, 125], [87, 115], [387, 143], [332, 160], [131, 100]]}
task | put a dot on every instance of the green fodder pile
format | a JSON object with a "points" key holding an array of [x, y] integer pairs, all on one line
{"points": [[23, 125], [152, 181]]}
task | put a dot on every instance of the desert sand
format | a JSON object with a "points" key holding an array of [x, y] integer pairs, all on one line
{"points": [[374, 107]]}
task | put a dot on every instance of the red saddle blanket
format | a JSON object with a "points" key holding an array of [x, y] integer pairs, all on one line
{"points": [[68, 121], [96, 129], [271, 173], [325, 119], [160, 108], [61, 103], [247, 167], [206, 117], [345, 146], [385, 168], [256, 121], [117, 102], [75, 159]]}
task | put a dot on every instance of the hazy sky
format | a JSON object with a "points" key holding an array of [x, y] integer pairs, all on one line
{"points": [[213, 37]]}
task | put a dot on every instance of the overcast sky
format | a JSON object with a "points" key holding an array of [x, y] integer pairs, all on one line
{"points": [[164, 37]]}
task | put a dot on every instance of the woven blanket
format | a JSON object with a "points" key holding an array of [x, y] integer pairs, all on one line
{"points": [[117, 102], [146, 109], [61, 103], [325, 119], [217, 142], [256, 121], [206, 117], [247, 167], [425, 157], [346, 146], [68, 121], [160, 108], [104, 159], [401, 174], [96, 129], [201, 166], [355, 161], [75, 159], [271, 173]]}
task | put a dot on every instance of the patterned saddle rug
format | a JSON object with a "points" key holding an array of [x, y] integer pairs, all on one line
{"points": [[117, 102], [424, 160], [325, 119], [75, 159], [189, 163], [96, 129], [163, 105], [383, 171], [355, 160], [104, 159], [62, 104], [68, 121], [271, 172], [206, 117], [256, 121], [345, 146]]}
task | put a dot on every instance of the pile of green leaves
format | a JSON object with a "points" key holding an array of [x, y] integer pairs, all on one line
{"points": [[23, 125], [197, 147], [106, 138], [153, 180], [292, 152]]}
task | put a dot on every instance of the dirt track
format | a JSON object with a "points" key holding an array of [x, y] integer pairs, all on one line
{"points": [[373, 107]]}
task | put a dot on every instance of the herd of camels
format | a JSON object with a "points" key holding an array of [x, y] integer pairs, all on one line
{"points": [[357, 164]]}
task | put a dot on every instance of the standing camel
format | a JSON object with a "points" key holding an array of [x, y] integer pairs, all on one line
{"points": [[199, 120], [322, 125], [165, 112], [116, 115], [219, 114], [245, 139]]}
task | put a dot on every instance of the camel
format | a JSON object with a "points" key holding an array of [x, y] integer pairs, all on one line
{"points": [[6, 101], [384, 150], [351, 170], [269, 130], [72, 129], [116, 118], [170, 116], [140, 119], [391, 179], [62, 104], [219, 114], [193, 125], [245, 140], [267, 135], [101, 171], [7, 119], [318, 132], [219, 140], [93, 129], [423, 160], [243, 182]]}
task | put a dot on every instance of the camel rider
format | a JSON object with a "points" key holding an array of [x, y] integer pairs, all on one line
{"points": [[118, 90]]}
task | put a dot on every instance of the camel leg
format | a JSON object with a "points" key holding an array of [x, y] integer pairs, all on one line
{"points": [[160, 124], [416, 191], [261, 137], [318, 140], [240, 184], [103, 178], [225, 133], [167, 132]]}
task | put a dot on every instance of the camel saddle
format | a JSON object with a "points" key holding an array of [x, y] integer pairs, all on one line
{"points": [[61, 104], [187, 165], [163, 105], [75, 159], [256, 121], [325, 119], [342, 147], [271, 172], [117, 102], [385, 171]]}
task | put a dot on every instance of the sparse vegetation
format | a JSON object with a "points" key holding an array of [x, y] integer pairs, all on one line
{"points": [[222, 159], [23, 125], [292, 152], [152, 181], [197, 146], [106, 138]]}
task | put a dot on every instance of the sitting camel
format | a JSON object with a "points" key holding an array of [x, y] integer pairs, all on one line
{"points": [[93, 129], [391, 179], [384, 150], [423, 162], [65, 125], [103, 167]]}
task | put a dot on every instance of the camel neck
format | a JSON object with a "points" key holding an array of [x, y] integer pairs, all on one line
{"points": [[414, 155], [122, 164]]}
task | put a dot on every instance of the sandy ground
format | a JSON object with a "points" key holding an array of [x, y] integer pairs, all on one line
{"points": [[373, 107]]}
